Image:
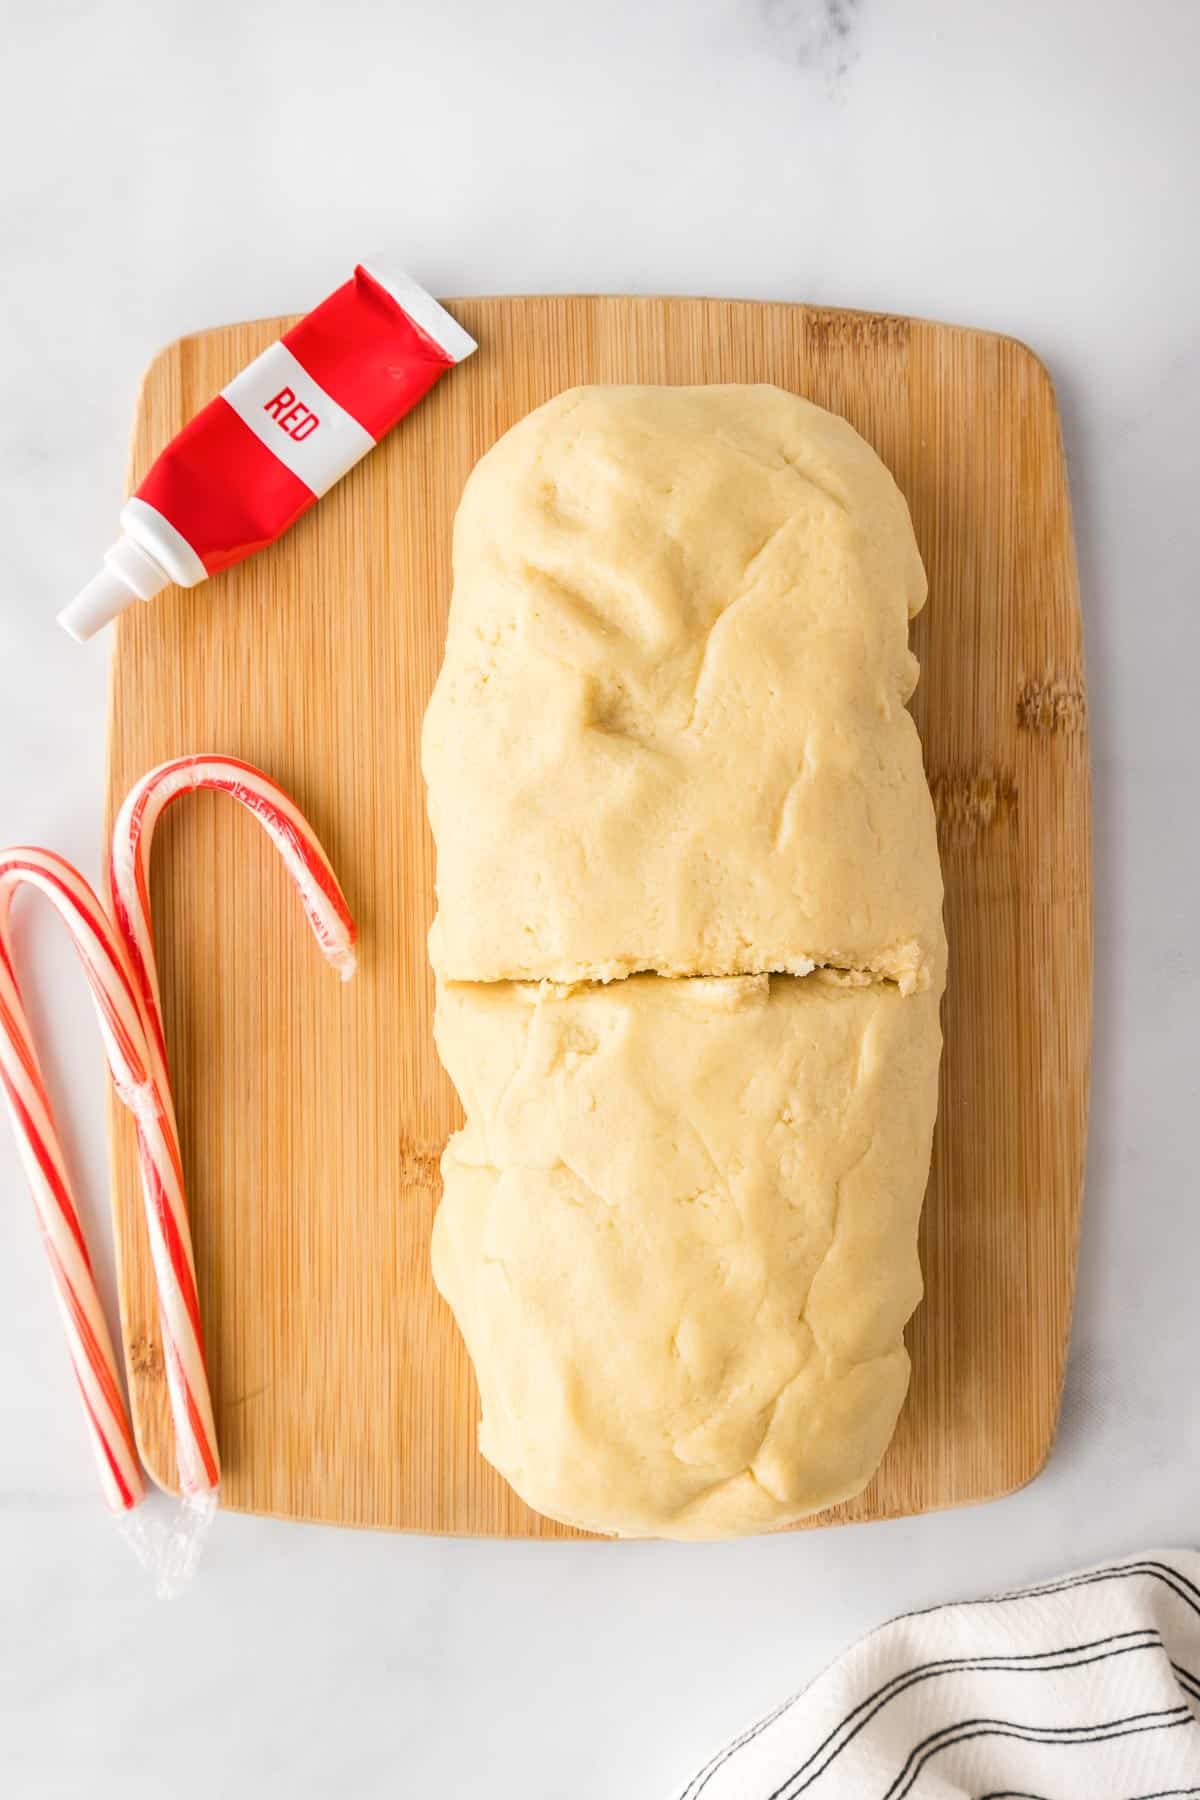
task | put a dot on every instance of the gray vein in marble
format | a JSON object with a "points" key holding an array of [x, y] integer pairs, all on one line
{"points": [[819, 36]]}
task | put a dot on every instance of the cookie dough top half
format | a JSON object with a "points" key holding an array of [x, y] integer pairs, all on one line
{"points": [[670, 733]]}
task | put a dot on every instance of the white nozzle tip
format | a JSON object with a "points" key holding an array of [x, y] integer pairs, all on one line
{"points": [[95, 605], [129, 573]]}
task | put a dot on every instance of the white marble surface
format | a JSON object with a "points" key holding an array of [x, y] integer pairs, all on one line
{"points": [[1030, 167]]}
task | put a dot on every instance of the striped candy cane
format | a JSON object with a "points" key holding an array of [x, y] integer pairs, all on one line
{"points": [[107, 969], [161, 1166]]}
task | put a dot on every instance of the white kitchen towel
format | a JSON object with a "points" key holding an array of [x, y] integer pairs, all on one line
{"points": [[1087, 1688]]}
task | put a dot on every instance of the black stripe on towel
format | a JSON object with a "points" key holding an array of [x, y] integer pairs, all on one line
{"points": [[1029, 1663], [1020, 1662], [1012, 1794], [1188, 1682], [1063, 1737], [1188, 1793]]}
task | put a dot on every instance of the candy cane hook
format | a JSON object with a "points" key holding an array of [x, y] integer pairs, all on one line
{"points": [[161, 1165]]}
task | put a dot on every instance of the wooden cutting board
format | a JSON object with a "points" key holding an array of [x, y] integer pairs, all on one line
{"points": [[313, 1115]]}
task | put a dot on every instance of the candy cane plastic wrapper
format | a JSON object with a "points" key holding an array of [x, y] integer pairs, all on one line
{"points": [[161, 1166], [109, 977]]}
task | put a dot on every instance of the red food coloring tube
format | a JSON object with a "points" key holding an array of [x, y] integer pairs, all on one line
{"points": [[276, 439]]}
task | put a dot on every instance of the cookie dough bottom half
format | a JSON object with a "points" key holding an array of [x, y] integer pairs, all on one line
{"points": [[679, 1236]]}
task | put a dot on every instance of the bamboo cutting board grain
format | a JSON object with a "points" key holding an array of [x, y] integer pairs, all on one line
{"points": [[313, 1115]]}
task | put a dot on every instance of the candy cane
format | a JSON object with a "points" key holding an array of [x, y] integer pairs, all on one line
{"points": [[109, 977], [161, 1165]]}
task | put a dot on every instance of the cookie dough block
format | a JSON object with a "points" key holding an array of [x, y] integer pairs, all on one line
{"points": [[679, 1236], [670, 732]]}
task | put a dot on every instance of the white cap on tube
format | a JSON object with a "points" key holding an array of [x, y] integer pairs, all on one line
{"points": [[128, 574]]}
